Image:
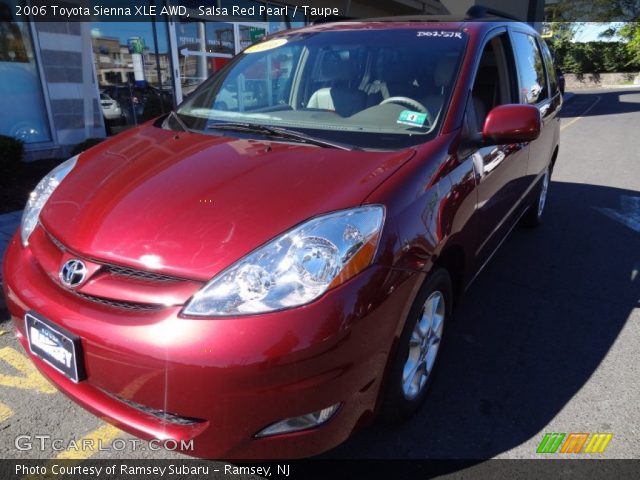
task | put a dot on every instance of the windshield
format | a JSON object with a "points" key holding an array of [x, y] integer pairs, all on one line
{"points": [[378, 89]]}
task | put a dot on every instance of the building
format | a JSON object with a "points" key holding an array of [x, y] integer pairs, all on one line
{"points": [[64, 82]]}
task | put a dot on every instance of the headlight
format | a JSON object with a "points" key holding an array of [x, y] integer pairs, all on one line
{"points": [[295, 268], [40, 195]]}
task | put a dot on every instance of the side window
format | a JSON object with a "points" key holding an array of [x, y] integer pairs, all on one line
{"points": [[533, 82], [494, 82], [551, 68]]}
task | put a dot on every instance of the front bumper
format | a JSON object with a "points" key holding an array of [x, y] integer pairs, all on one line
{"points": [[234, 376]]}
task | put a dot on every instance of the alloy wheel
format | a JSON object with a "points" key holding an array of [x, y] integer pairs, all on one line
{"points": [[424, 344], [543, 193]]}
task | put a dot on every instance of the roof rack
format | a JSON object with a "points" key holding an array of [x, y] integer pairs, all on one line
{"points": [[480, 11], [333, 18]]}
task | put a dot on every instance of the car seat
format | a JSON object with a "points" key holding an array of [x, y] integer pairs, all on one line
{"points": [[395, 79], [340, 97], [442, 78], [485, 93]]}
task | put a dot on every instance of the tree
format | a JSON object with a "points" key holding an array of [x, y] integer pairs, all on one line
{"points": [[625, 12], [560, 42], [631, 33], [596, 57], [598, 10]]}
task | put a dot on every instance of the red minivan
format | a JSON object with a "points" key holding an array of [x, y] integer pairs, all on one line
{"points": [[276, 261]]}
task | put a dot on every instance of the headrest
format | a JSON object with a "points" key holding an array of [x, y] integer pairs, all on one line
{"points": [[443, 74], [399, 72], [398, 75], [334, 67]]}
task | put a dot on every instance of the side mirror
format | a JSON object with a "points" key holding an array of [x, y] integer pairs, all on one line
{"points": [[511, 124]]}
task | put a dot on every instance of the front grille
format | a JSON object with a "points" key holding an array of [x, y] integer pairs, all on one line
{"points": [[124, 276], [140, 274], [154, 412], [123, 271], [119, 304], [57, 242]]}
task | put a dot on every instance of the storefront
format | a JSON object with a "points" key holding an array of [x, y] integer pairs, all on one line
{"points": [[145, 68], [22, 103], [63, 82]]}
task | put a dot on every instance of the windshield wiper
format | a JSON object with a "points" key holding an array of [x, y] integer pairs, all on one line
{"points": [[280, 132], [178, 120]]}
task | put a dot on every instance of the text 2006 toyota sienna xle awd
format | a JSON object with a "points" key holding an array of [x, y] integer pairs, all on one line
{"points": [[277, 260]]}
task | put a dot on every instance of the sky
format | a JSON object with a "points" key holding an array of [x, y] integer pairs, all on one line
{"points": [[590, 31]]}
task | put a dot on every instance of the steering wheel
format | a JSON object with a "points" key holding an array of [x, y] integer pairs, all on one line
{"points": [[409, 102]]}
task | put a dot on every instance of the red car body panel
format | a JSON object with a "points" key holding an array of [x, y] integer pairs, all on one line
{"points": [[200, 194], [245, 372], [155, 214]]}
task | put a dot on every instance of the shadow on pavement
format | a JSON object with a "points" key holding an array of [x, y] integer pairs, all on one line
{"points": [[611, 103], [529, 333]]}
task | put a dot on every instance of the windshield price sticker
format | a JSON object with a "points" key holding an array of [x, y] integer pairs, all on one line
{"points": [[268, 45], [415, 119], [440, 34]]}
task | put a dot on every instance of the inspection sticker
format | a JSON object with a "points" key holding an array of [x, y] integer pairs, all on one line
{"points": [[415, 119]]}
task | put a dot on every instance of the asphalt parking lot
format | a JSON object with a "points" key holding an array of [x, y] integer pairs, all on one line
{"points": [[546, 340]]}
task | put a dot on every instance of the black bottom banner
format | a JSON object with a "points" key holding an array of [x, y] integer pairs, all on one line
{"points": [[191, 469]]}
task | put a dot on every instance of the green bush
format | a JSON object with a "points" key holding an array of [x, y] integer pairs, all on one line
{"points": [[594, 57], [86, 145], [10, 155]]}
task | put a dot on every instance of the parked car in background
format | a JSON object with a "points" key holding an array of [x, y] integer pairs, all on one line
{"points": [[266, 277], [110, 108], [138, 104]]}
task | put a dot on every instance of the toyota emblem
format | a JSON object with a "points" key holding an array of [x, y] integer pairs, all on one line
{"points": [[73, 273]]}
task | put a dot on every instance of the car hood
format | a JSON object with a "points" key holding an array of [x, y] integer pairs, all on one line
{"points": [[190, 205]]}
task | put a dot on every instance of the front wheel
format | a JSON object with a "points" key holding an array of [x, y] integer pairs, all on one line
{"points": [[420, 343], [533, 216]]}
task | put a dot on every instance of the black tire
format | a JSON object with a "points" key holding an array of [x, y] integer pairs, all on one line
{"points": [[396, 407], [533, 216]]}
